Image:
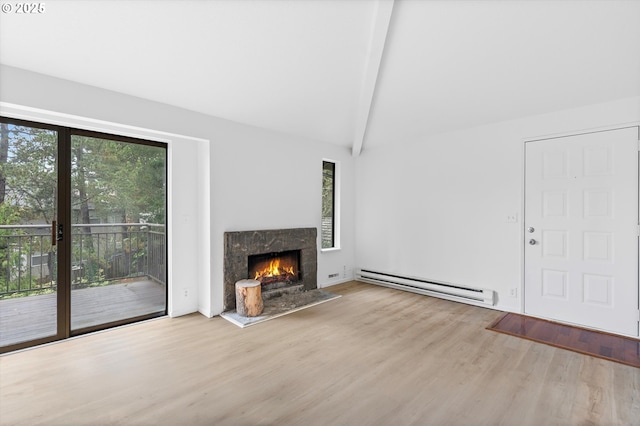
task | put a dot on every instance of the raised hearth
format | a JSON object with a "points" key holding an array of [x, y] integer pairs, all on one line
{"points": [[238, 246]]}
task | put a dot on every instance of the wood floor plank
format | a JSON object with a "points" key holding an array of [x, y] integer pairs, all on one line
{"points": [[375, 356]]}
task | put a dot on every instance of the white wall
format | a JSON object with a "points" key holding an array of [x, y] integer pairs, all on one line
{"points": [[243, 178], [273, 181], [437, 208]]}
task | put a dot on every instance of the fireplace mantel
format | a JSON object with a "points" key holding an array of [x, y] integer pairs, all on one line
{"points": [[238, 246]]}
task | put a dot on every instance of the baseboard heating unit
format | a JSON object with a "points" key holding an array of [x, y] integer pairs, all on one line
{"points": [[448, 291]]}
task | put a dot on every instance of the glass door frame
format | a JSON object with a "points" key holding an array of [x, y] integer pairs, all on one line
{"points": [[68, 237], [64, 245]]}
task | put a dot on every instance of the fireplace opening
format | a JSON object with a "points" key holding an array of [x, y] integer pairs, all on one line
{"points": [[270, 268]]}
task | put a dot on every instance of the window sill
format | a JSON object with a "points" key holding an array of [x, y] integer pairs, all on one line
{"points": [[330, 249]]}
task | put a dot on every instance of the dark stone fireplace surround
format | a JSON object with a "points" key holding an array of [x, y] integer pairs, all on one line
{"points": [[238, 246]]}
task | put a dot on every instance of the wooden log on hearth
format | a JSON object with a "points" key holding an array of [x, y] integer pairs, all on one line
{"points": [[269, 280], [249, 298]]}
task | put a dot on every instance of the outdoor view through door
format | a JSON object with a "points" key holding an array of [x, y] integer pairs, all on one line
{"points": [[82, 232], [117, 231]]}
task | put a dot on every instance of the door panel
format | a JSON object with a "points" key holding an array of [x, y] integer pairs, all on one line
{"points": [[581, 200], [117, 231], [29, 296]]}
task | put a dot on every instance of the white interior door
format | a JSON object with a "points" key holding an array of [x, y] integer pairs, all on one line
{"points": [[581, 230]]}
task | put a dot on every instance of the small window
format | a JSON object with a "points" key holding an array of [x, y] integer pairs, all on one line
{"points": [[328, 231]]}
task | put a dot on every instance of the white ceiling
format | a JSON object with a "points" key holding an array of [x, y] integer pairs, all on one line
{"points": [[309, 68]]}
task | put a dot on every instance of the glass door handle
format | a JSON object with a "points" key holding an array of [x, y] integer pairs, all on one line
{"points": [[56, 232]]}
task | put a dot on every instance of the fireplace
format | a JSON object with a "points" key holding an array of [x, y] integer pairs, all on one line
{"points": [[275, 269], [247, 251]]}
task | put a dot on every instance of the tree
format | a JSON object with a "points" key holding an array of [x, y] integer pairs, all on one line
{"points": [[30, 171], [120, 179]]}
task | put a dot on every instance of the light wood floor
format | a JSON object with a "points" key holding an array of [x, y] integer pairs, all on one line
{"points": [[376, 356]]}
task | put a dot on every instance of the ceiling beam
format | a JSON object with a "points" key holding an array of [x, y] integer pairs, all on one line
{"points": [[380, 27]]}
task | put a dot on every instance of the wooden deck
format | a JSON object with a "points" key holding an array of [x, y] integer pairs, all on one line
{"points": [[28, 318]]}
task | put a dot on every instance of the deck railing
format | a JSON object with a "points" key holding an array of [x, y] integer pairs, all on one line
{"points": [[101, 254]]}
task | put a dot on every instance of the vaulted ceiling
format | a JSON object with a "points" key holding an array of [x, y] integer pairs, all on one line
{"points": [[356, 73]]}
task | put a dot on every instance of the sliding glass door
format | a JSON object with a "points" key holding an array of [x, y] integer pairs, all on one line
{"points": [[118, 230], [28, 217], [82, 232]]}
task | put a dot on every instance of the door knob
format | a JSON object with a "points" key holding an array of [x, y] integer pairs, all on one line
{"points": [[532, 242], [531, 229]]}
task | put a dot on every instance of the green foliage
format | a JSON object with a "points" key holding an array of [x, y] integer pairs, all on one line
{"points": [[112, 179], [119, 179], [9, 215], [30, 173]]}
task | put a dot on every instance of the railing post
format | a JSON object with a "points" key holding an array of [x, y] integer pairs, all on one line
{"points": [[148, 246]]}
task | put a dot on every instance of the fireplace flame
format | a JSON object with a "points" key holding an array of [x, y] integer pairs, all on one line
{"points": [[274, 270]]}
